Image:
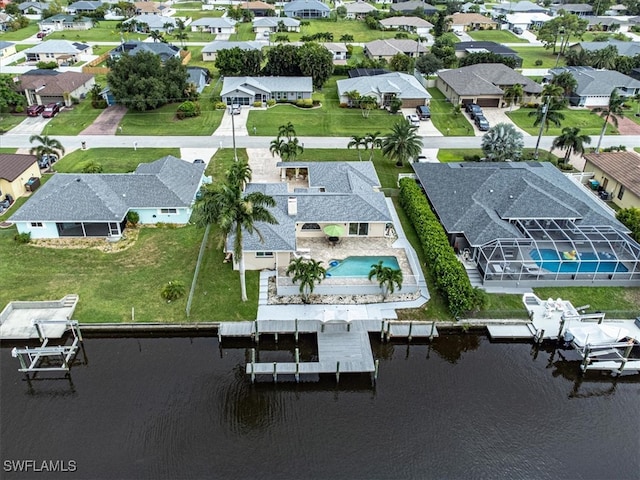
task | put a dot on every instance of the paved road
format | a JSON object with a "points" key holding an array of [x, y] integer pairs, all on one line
{"points": [[124, 141]]}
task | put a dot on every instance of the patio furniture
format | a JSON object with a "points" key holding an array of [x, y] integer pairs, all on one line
{"points": [[333, 241]]}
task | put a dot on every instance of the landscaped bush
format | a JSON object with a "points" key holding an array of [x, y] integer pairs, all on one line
{"points": [[188, 109], [471, 158], [538, 63], [450, 276], [133, 218], [18, 108], [173, 291], [22, 238], [220, 106], [257, 104], [47, 65], [304, 103], [271, 102]]}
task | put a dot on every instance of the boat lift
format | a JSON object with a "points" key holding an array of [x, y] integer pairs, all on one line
{"points": [[33, 360]]}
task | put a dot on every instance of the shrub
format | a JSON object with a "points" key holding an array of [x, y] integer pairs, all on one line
{"points": [[92, 167], [271, 102], [173, 290], [257, 104], [220, 106], [450, 276], [188, 109], [304, 103], [538, 63], [47, 65], [19, 108], [22, 238], [471, 158], [133, 218]]}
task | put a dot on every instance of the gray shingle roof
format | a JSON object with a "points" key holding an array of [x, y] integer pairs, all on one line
{"points": [[479, 198], [597, 82], [392, 46], [483, 78], [58, 46], [411, 6], [405, 86], [214, 22], [4, 45], [626, 49], [72, 197], [218, 45], [349, 196], [267, 84], [274, 21], [402, 21], [297, 5]]}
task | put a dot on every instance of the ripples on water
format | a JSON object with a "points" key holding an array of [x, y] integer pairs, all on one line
{"points": [[461, 408]]}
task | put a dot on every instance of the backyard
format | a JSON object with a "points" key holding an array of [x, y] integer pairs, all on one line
{"points": [[530, 55]]}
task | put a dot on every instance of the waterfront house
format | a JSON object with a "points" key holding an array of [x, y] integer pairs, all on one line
{"points": [[97, 204], [527, 223]]}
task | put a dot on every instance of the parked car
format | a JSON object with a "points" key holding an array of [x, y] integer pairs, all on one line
{"points": [[473, 109], [234, 109], [198, 160], [482, 123], [458, 33], [35, 110], [517, 30], [413, 120], [51, 110], [42, 34], [46, 160], [423, 112]]}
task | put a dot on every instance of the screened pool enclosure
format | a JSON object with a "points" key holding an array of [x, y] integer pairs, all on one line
{"points": [[560, 250]]}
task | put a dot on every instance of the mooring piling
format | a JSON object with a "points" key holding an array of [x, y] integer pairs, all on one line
{"points": [[338, 371]]}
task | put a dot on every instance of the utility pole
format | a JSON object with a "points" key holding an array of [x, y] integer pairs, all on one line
{"points": [[233, 129], [545, 109]]}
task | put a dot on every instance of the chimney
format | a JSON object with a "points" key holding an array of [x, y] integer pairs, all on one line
{"points": [[292, 206]]}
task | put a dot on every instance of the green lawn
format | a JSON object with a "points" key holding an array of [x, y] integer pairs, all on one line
{"points": [[443, 117], [589, 123], [361, 33], [23, 46], [105, 31], [163, 121], [189, 5], [21, 34], [8, 150], [244, 32], [498, 36], [328, 120], [73, 121], [113, 160], [531, 54], [623, 301], [197, 15], [10, 120], [446, 155]]}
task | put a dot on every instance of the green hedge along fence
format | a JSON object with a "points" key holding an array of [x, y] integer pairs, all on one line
{"points": [[450, 276]]}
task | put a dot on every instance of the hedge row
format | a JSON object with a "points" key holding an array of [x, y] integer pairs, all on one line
{"points": [[450, 276]]}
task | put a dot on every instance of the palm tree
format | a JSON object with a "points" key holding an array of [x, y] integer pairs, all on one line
{"points": [[357, 141], [47, 146], [552, 115], [367, 103], [276, 146], [566, 81], [308, 273], [513, 94], [502, 142], [291, 149], [182, 36], [287, 130], [388, 278], [352, 97], [239, 175], [234, 212], [555, 92], [572, 140], [403, 143], [612, 112], [372, 141], [157, 36]]}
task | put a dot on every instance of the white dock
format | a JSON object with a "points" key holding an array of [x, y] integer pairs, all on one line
{"points": [[17, 318], [511, 331]]}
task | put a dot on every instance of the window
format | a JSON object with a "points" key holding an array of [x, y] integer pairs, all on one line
{"points": [[621, 192], [169, 211], [37, 225], [310, 226], [264, 254], [361, 229]]}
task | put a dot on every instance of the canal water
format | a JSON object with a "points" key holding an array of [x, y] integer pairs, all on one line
{"points": [[182, 408]]}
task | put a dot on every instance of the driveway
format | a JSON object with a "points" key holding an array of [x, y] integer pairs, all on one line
{"points": [[240, 121], [495, 116], [30, 126], [107, 122], [190, 154], [426, 128]]}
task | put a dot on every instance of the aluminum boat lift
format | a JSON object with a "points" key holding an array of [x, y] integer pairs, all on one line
{"points": [[46, 358]]}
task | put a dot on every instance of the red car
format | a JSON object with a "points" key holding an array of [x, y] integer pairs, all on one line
{"points": [[51, 110], [42, 34], [35, 110]]}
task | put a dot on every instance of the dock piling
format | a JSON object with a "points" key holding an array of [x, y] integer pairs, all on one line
{"points": [[256, 334], [433, 327], [585, 360], [410, 329], [562, 320], [296, 330], [297, 365], [382, 330], [253, 365], [338, 371], [275, 372], [375, 372]]}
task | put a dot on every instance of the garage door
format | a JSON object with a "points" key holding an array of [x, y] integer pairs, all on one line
{"points": [[488, 102]]}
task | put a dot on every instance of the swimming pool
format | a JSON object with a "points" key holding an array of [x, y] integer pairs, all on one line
{"points": [[551, 260], [358, 266]]}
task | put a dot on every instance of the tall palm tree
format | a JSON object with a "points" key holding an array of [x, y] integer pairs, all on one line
{"points": [[357, 141], [372, 141], [513, 94], [572, 141], [553, 113], [388, 278], [47, 146], [276, 146], [235, 213], [287, 131], [239, 175], [403, 143], [566, 81], [555, 92], [308, 273], [157, 36], [502, 142], [367, 103], [612, 112]]}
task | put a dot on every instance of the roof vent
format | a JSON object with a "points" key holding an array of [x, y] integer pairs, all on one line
{"points": [[292, 206], [77, 180]]}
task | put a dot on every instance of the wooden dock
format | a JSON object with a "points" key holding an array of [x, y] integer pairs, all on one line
{"points": [[497, 332]]}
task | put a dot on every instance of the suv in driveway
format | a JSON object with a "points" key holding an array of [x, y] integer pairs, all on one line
{"points": [[482, 123], [423, 112], [473, 109], [51, 110], [35, 110], [517, 30], [46, 160]]}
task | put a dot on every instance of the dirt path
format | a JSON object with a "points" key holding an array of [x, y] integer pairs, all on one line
{"points": [[107, 122]]}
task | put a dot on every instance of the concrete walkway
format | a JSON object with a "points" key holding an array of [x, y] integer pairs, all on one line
{"points": [[239, 123]]}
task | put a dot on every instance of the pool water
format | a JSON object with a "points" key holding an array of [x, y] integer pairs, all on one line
{"points": [[359, 266], [587, 262]]}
